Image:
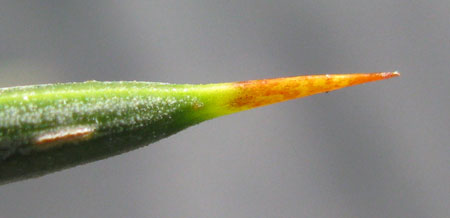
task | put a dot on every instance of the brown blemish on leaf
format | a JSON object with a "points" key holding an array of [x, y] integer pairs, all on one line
{"points": [[57, 137]]}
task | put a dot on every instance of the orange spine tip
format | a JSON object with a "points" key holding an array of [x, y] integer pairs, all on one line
{"points": [[255, 93]]}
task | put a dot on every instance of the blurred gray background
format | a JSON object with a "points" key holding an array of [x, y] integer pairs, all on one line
{"points": [[375, 150]]}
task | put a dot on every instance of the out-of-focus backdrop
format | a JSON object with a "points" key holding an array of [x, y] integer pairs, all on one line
{"points": [[375, 150]]}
